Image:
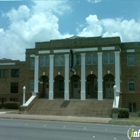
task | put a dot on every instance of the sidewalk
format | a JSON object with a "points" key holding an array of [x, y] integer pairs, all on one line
{"points": [[12, 115]]}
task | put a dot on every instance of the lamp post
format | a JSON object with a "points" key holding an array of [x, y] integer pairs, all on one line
{"points": [[24, 89]]}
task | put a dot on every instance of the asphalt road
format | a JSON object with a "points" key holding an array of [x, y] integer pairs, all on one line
{"points": [[12, 129]]}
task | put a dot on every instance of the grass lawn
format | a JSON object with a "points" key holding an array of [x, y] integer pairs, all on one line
{"points": [[132, 120]]}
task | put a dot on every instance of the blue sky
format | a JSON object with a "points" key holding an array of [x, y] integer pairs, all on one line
{"points": [[24, 22]]}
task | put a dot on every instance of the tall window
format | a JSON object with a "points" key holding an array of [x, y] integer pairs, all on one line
{"points": [[14, 87], [3, 73], [108, 58], [91, 59], [59, 60], [78, 59], [131, 84], [31, 85], [44, 61], [130, 60], [32, 64], [14, 72]]}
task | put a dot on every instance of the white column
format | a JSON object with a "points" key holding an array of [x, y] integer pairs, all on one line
{"points": [[100, 77], [117, 71], [51, 77], [83, 94], [66, 94], [36, 74]]}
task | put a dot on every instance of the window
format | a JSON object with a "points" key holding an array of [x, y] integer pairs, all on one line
{"points": [[132, 107], [3, 73], [131, 85], [91, 59], [108, 58], [61, 85], [78, 59], [130, 60], [59, 60], [44, 61], [14, 87], [32, 64], [31, 85], [14, 72]]}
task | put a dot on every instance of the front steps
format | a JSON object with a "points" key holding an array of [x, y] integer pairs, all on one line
{"points": [[73, 107]]}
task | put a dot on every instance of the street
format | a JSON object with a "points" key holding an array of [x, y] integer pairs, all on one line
{"points": [[15, 129]]}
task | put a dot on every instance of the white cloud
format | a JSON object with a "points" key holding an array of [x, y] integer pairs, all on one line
{"points": [[128, 30], [94, 1], [27, 26]]}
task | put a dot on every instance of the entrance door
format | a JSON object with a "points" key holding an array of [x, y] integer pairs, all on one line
{"points": [[76, 89], [109, 88], [47, 90]]}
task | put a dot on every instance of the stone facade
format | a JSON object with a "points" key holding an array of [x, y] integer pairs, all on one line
{"points": [[94, 81]]}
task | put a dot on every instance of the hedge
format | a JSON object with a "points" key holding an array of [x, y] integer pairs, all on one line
{"points": [[123, 113], [138, 113], [11, 105], [0, 104]]}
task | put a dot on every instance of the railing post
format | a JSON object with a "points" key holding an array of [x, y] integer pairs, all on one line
{"points": [[24, 89]]}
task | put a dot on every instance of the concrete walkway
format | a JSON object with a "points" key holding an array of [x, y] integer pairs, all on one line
{"points": [[13, 115]]}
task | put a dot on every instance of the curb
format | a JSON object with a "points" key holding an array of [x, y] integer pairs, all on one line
{"points": [[56, 118]]}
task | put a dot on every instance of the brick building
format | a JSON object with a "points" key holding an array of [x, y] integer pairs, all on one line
{"points": [[99, 64]]}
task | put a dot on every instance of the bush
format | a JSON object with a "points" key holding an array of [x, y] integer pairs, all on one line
{"points": [[11, 105], [123, 113], [0, 104], [138, 113]]}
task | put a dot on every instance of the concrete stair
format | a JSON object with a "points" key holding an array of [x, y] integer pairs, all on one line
{"points": [[74, 107]]}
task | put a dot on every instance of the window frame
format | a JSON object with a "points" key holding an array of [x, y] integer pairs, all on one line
{"points": [[128, 63], [92, 58], [3, 73], [14, 73], [12, 90], [44, 61], [131, 81], [32, 64], [110, 58], [31, 85], [59, 60]]}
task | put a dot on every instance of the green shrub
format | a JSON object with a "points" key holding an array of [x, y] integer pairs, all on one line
{"points": [[0, 104], [138, 113], [11, 105], [123, 113]]}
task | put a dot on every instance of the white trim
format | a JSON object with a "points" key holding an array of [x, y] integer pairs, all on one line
{"points": [[131, 50], [85, 49], [44, 52], [76, 50], [2, 64], [61, 51], [32, 55], [108, 48]]}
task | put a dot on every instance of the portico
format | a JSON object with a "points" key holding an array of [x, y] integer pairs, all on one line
{"points": [[82, 91]]}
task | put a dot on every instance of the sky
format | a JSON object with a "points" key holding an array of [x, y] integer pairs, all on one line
{"points": [[24, 22]]}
